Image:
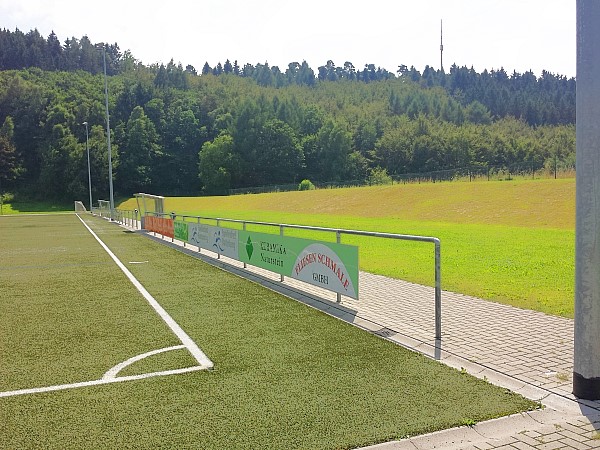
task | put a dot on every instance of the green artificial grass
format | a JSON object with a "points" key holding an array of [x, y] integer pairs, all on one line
{"points": [[285, 375], [66, 307]]}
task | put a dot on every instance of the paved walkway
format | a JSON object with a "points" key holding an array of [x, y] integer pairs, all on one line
{"points": [[526, 351]]}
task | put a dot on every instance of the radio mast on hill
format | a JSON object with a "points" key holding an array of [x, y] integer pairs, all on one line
{"points": [[441, 47]]}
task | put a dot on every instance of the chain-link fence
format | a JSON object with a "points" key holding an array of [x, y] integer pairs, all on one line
{"points": [[493, 173]]}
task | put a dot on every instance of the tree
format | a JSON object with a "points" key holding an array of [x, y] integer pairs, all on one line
{"points": [[216, 162], [99, 161], [181, 138], [90, 59], [10, 166], [140, 154], [160, 80], [57, 168], [279, 154], [364, 137], [478, 113], [393, 151], [306, 76], [333, 148], [247, 126], [227, 67]]}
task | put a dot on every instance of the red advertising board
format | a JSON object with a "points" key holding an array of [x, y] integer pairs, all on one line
{"points": [[159, 225]]}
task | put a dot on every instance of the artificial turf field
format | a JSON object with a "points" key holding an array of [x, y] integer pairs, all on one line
{"points": [[284, 376]]}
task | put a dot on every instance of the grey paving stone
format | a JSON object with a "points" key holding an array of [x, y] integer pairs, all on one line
{"points": [[551, 446], [522, 445], [570, 443]]}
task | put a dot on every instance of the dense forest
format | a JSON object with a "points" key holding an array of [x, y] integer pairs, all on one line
{"points": [[177, 131]]}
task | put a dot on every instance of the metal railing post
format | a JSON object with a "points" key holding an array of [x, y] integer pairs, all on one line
{"points": [[438, 290], [199, 248], [338, 239], [218, 252], [281, 277], [173, 216], [244, 228]]}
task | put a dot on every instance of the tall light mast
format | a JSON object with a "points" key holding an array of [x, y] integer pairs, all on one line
{"points": [[441, 47]]}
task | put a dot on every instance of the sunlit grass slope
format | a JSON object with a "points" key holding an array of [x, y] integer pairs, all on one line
{"points": [[507, 241]]}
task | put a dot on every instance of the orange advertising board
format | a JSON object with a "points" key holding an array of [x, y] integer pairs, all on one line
{"points": [[159, 225]]}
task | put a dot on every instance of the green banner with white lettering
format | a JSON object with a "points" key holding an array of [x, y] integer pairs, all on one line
{"points": [[328, 265]]}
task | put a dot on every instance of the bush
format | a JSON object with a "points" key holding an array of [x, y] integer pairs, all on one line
{"points": [[379, 176], [306, 185]]}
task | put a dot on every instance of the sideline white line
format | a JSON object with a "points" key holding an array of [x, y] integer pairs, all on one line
{"points": [[62, 387], [174, 326]]}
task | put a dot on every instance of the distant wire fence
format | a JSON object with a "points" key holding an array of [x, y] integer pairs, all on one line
{"points": [[475, 173]]}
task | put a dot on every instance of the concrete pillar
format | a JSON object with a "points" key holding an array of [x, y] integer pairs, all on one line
{"points": [[586, 370]]}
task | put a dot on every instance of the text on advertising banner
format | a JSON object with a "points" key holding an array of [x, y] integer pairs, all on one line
{"points": [[328, 265]]}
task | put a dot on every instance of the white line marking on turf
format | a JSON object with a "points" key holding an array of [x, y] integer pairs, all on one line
{"points": [[138, 262], [174, 326], [112, 373], [61, 387]]}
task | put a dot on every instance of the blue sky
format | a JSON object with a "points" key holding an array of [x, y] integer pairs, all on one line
{"points": [[514, 34]]}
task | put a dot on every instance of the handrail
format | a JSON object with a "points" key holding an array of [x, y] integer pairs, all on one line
{"points": [[339, 232]]}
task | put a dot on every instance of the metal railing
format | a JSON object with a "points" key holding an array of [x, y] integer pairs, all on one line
{"points": [[129, 218], [338, 232]]}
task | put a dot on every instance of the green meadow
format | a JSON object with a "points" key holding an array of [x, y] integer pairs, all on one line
{"points": [[285, 375], [506, 241]]}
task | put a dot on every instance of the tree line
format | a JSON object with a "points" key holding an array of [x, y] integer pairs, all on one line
{"points": [[177, 132], [545, 100]]}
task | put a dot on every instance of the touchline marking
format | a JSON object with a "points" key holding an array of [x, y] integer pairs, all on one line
{"points": [[174, 326], [62, 387]]}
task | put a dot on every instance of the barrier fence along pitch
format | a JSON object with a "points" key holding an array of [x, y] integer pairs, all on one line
{"points": [[338, 233]]}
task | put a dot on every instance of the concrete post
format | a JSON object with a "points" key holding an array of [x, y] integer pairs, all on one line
{"points": [[586, 368]]}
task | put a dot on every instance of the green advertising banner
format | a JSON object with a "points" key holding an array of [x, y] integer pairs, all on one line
{"points": [[180, 230], [328, 265]]}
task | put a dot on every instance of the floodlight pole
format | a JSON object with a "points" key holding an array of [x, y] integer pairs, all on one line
{"points": [[87, 148], [586, 364], [110, 175]]}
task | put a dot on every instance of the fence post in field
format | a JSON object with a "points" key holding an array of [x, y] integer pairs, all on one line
{"points": [[586, 367]]}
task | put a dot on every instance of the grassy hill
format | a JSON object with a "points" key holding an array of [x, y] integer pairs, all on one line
{"points": [[507, 241]]}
